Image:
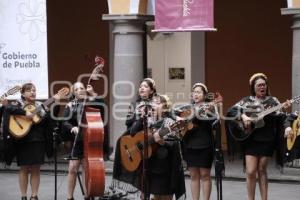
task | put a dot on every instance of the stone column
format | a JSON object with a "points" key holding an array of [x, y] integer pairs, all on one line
{"points": [[127, 69], [295, 12]]}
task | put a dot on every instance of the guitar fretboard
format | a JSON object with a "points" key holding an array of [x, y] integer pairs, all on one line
{"points": [[269, 111], [275, 108], [43, 105]]}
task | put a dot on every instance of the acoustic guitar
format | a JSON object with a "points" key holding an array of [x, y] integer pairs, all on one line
{"points": [[290, 141], [19, 125], [9, 92], [132, 147], [240, 133], [188, 112]]}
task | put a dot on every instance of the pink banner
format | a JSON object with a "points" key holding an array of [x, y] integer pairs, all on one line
{"points": [[184, 15]]}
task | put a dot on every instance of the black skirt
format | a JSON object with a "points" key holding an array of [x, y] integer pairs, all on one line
{"points": [[78, 150], [31, 153], [199, 157], [159, 184], [257, 148]]}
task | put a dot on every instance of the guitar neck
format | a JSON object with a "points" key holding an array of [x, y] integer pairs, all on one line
{"points": [[275, 108], [11, 91], [45, 104], [269, 111], [49, 101], [162, 132]]}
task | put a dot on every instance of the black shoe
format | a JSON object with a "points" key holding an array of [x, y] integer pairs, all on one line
{"points": [[23, 198], [34, 198]]}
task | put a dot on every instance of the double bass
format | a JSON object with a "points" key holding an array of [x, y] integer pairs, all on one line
{"points": [[93, 137]]}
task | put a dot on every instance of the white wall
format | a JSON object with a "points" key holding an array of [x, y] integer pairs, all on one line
{"points": [[176, 50]]}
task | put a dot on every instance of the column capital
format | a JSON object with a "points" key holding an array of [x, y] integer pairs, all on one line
{"points": [[117, 17], [295, 12], [127, 23], [290, 11]]}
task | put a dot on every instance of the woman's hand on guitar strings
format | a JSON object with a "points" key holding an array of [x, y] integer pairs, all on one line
{"points": [[157, 138], [286, 104], [246, 120], [288, 132], [29, 115]]}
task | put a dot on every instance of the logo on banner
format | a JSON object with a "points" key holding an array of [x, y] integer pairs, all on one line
{"points": [[187, 7], [23, 45], [19, 60]]}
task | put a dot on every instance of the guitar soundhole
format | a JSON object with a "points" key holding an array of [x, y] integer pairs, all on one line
{"points": [[140, 146]]}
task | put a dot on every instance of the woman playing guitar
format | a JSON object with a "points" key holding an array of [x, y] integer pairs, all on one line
{"points": [[260, 145], [291, 133], [31, 149], [122, 178], [165, 176], [198, 142]]}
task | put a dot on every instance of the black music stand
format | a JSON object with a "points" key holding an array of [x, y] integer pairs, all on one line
{"points": [[219, 159]]}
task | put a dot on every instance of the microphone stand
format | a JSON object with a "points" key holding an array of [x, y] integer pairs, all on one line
{"points": [[219, 160], [55, 134], [145, 157]]}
